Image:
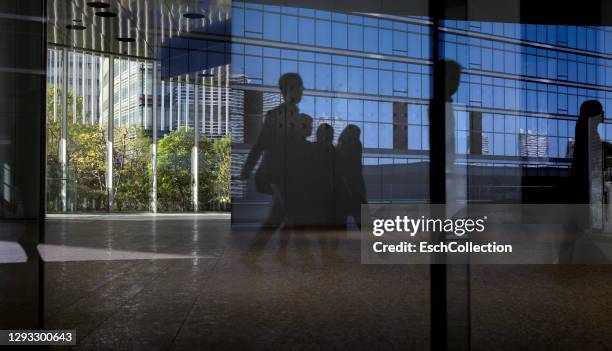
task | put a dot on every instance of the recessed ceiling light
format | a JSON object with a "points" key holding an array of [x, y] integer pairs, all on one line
{"points": [[126, 39], [193, 15], [98, 4], [76, 27], [106, 14]]}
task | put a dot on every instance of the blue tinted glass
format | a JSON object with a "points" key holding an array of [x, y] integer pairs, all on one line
{"points": [[385, 85], [323, 33], [307, 105], [414, 45], [307, 71], [288, 66], [253, 23], [400, 81], [385, 136], [385, 112], [370, 39], [510, 145], [355, 110], [340, 35], [414, 114], [272, 26], [355, 37], [487, 122], [499, 141], [563, 147], [253, 67], [271, 71], [425, 138], [307, 31], [289, 30], [355, 80], [323, 107], [237, 22], [370, 135], [370, 81], [414, 85], [414, 137], [340, 109], [370, 111], [385, 43], [323, 76], [339, 78]]}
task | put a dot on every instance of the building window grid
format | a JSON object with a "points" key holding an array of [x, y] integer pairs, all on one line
{"points": [[511, 97]]}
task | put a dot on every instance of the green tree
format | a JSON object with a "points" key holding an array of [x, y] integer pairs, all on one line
{"points": [[215, 174], [173, 170], [132, 160]]}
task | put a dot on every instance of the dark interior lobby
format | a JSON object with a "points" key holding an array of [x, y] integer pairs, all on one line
{"points": [[201, 174]]}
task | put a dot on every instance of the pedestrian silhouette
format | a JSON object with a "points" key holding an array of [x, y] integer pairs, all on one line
{"points": [[349, 185], [447, 180], [321, 175], [281, 145], [585, 185]]}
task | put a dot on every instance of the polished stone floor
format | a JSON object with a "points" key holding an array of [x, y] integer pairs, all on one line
{"points": [[190, 282]]}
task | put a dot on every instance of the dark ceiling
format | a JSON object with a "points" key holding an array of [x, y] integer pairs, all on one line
{"points": [[154, 21]]}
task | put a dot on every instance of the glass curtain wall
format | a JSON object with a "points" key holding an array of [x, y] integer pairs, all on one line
{"points": [[520, 91], [75, 141], [132, 135], [122, 99]]}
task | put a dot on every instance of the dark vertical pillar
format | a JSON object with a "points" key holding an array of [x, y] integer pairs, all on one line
{"points": [[253, 120], [22, 149], [400, 126], [475, 133], [22, 96], [437, 179]]}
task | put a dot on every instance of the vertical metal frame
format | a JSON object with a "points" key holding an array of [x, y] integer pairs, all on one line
{"points": [[64, 133], [154, 81], [110, 132], [194, 150]]}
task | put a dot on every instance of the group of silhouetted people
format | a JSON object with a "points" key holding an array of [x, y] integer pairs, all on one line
{"points": [[321, 184], [311, 183]]}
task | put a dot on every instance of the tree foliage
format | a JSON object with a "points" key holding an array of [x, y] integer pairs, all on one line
{"points": [[132, 170]]}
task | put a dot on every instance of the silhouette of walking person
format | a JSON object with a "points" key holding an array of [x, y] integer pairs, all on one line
{"points": [[350, 185], [586, 178], [448, 184], [321, 176], [281, 145]]}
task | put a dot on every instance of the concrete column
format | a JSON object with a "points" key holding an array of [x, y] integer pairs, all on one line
{"points": [[145, 120], [204, 102], [220, 126], [154, 81], [211, 116], [83, 64], [227, 85], [93, 60], [194, 149], [171, 110], [179, 101], [110, 133], [187, 100], [74, 87], [129, 92], [63, 156], [55, 71]]}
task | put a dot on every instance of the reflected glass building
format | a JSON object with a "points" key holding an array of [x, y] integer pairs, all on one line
{"points": [[519, 96]]}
